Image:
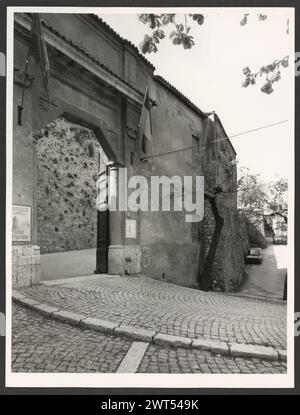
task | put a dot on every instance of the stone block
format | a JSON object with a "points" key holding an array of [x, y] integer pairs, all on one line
{"points": [[116, 259], [213, 346], [135, 254], [36, 250], [25, 260], [44, 309], [68, 316], [28, 302], [282, 355], [173, 341], [99, 325], [249, 350], [24, 275], [27, 250], [135, 333], [14, 271], [16, 295], [36, 274]]}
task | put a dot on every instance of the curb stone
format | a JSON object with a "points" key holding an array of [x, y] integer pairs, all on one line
{"points": [[174, 341], [249, 350], [16, 295], [27, 302], [213, 346], [282, 355], [97, 324], [134, 333], [44, 309], [68, 316]]}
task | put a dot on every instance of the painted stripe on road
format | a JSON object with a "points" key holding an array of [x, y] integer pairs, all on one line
{"points": [[133, 357]]}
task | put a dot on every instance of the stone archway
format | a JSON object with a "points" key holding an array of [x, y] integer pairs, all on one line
{"points": [[84, 93], [69, 159]]}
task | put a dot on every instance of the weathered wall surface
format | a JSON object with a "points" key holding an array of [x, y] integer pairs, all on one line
{"points": [[229, 265], [25, 256], [173, 250], [78, 97], [220, 171], [165, 246], [67, 167], [256, 218], [254, 222], [168, 250]]}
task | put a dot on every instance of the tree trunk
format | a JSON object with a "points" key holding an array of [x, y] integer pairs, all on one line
{"points": [[206, 275]]}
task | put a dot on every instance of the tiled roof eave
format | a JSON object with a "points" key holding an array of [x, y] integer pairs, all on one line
{"points": [[158, 78], [89, 56], [179, 95], [122, 39]]}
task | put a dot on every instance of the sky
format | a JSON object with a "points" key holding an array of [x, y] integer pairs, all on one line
{"points": [[210, 75]]}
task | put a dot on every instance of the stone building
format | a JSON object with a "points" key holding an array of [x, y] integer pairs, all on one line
{"points": [[98, 80]]}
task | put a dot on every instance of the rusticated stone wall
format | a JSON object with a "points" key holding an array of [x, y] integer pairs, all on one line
{"points": [[67, 165], [255, 230]]}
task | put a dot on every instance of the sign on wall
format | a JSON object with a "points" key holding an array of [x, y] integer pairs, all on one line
{"points": [[130, 229], [21, 223]]}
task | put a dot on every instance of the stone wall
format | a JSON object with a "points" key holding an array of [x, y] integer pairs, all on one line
{"points": [[26, 265], [254, 223], [67, 165], [256, 218], [229, 265]]}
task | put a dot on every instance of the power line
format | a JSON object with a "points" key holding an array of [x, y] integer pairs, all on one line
{"points": [[167, 152], [250, 131], [214, 141]]}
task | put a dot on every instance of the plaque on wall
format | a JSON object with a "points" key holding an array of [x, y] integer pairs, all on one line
{"points": [[21, 223], [130, 230]]}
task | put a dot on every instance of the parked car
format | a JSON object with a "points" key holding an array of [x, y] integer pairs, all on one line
{"points": [[279, 238], [255, 256]]}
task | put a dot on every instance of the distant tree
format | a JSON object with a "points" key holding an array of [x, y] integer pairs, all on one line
{"points": [[251, 191], [278, 193], [254, 194]]}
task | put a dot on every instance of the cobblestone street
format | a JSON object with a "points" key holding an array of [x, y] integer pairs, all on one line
{"points": [[43, 345], [167, 308]]}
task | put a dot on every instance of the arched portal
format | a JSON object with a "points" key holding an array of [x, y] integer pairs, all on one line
{"points": [[73, 237], [87, 92]]}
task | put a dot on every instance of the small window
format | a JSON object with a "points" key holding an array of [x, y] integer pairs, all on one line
{"points": [[196, 144]]}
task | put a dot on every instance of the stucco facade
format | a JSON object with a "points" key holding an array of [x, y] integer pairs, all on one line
{"points": [[98, 81]]}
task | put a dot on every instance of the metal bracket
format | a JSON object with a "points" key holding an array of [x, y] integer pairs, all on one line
{"points": [[19, 78]]}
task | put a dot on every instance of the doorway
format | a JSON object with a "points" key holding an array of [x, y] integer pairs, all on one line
{"points": [[71, 233]]}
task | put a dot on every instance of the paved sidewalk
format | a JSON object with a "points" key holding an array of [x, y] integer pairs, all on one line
{"points": [[267, 279], [42, 345], [150, 304], [68, 264]]}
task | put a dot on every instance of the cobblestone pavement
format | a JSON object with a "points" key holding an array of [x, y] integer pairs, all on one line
{"points": [[159, 360], [167, 308], [43, 345]]}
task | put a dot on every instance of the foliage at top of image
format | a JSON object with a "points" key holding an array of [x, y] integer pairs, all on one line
{"points": [[181, 35], [261, 17], [271, 74]]}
